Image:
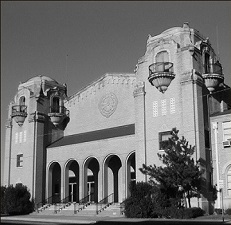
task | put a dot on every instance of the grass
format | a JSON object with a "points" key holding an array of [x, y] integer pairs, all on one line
{"points": [[214, 217]]}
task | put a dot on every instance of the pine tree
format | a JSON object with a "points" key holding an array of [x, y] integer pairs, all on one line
{"points": [[181, 176]]}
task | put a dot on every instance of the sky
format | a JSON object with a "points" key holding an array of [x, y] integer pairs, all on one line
{"points": [[76, 42]]}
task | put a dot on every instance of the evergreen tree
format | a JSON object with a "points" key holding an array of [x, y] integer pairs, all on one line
{"points": [[17, 200], [181, 176]]}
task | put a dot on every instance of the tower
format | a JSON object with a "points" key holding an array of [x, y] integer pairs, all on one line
{"points": [[36, 118], [179, 68]]}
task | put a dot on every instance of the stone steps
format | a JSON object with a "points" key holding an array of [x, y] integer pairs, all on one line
{"points": [[89, 210]]}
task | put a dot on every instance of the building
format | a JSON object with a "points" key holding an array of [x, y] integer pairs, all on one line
{"points": [[92, 144]]}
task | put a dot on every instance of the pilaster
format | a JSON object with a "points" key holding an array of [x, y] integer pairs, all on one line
{"points": [[140, 118]]}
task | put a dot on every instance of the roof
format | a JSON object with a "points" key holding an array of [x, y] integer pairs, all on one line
{"points": [[100, 79], [221, 113], [95, 135]]}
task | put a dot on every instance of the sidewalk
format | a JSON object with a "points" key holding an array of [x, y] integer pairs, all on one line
{"points": [[62, 219], [74, 219]]}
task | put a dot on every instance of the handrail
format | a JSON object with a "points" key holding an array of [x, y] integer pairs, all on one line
{"points": [[65, 202], [104, 203], [46, 201], [84, 201], [122, 207]]}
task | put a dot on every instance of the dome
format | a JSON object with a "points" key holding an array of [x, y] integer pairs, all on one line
{"points": [[170, 29], [41, 78]]}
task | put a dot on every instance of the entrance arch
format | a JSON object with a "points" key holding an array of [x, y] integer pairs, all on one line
{"points": [[54, 183], [131, 172], [72, 181], [112, 166], [91, 171]]}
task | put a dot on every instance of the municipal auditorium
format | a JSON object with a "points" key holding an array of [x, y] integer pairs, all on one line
{"points": [[90, 145]]}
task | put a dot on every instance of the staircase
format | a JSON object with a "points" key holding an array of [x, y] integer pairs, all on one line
{"points": [[112, 210], [105, 207], [89, 210]]}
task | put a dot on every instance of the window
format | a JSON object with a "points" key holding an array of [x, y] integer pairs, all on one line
{"points": [[226, 127], [20, 137], [55, 105], [162, 58], [19, 160], [163, 107], [206, 63], [22, 100], [155, 109], [24, 136], [226, 130], [229, 181], [172, 105], [16, 138], [163, 139]]}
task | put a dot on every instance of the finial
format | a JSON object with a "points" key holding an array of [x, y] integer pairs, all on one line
{"points": [[186, 25]]}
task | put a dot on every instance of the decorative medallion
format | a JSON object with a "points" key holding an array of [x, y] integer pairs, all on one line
{"points": [[108, 104]]}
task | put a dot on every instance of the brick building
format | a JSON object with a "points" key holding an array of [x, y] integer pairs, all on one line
{"points": [[92, 144]]}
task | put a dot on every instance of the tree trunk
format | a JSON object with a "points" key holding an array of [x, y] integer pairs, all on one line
{"points": [[189, 203]]}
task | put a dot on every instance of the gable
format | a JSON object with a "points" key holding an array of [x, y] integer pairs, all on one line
{"points": [[107, 102]]}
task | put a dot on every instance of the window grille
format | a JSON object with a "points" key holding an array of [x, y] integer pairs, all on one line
{"points": [[172, 105], [163, 107], [155, 109]]}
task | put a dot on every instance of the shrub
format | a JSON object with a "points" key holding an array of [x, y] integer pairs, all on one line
{"points": [[182, 213], [139, 204], [149, 201], [17, 200], [172, 212], [2, 197], [193, 212], [228, 211], [218, 211]]}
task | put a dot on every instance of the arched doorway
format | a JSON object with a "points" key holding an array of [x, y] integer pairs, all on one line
{"points": [[111, 176], [91, 171], [54, 183], [72, 181], [131, 172]]}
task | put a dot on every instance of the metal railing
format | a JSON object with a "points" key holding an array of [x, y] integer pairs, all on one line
{"points": [[122, 207], [104, 203], [83, 203], [161, 67], [213, 68], [44, 204], [62, 204], [60, 109], [19, 109]]}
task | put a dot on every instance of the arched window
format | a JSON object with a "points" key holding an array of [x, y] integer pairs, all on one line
{"points": [[229, 181], [162, 56], [162, 62], [206, 63], [22, 100], [55, 105]]}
